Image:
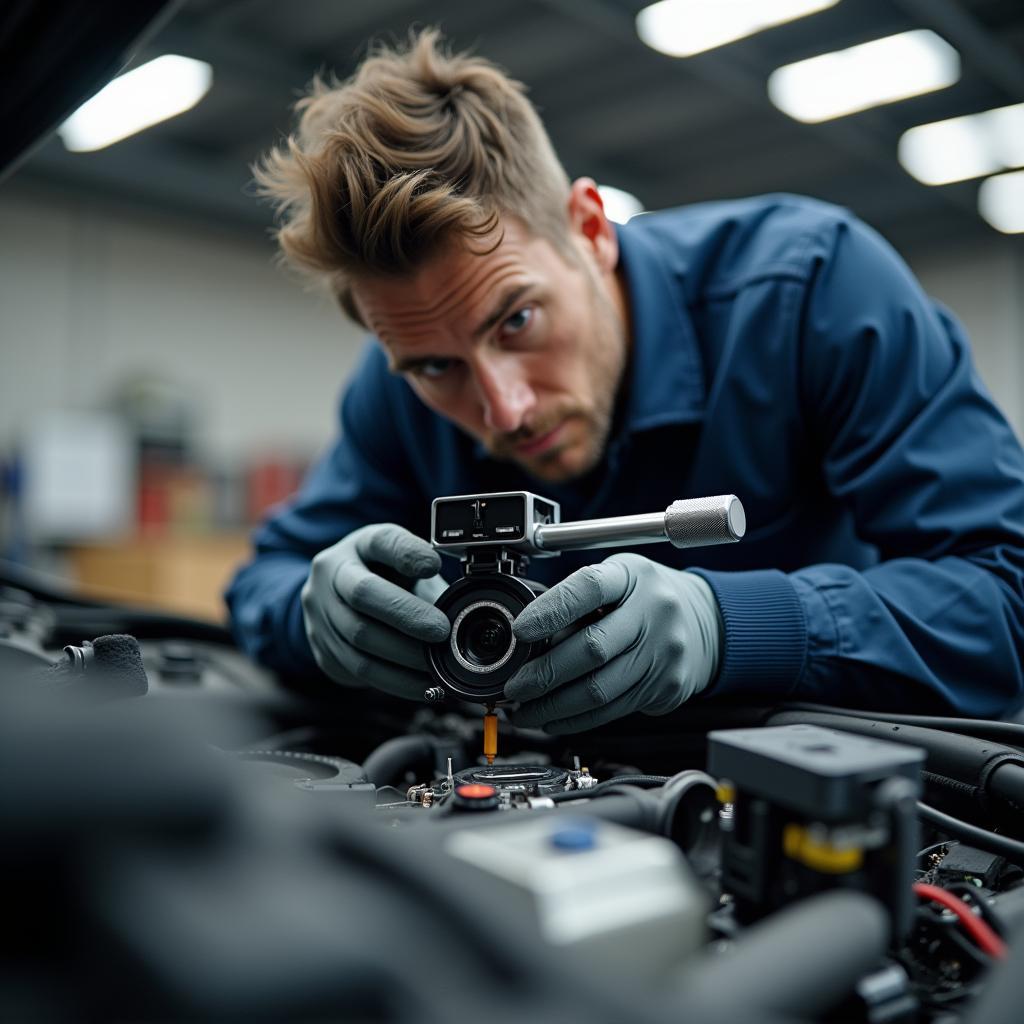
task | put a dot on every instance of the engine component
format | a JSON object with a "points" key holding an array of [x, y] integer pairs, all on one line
{"points": [[623, 902], [974, 777], [813, 809], [966, 864], [112, 665], [684, 810], [525, 779], [507, 785], [475, 797], [315, 773]]}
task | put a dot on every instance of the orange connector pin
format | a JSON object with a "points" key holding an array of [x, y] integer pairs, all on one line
{"points": [[490, 735]]}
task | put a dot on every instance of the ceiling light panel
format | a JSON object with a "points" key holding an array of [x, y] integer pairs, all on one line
{"points": [[868, 75], [150, 93], [965, 147], [682, 28], [1001, 202]]}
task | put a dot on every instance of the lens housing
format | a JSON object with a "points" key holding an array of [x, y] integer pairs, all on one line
{"points": [[482, 652], [482, 639]]}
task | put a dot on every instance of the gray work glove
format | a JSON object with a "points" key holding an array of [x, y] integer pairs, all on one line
{"points": [[656, 647], [365, 630]]}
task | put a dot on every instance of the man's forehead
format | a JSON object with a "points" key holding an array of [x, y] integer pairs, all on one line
{"points": [[452, 288]]}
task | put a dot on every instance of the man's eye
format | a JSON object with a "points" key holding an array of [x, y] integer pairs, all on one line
{"points": [[434, 368], [518, 321]]}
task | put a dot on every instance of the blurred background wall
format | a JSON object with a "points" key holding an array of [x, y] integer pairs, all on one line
{"points": [[983, 283], [93, 294], [164, 382], [105, 309]]}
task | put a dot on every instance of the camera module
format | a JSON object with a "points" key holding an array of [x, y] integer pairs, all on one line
{"points": [[482, 653]]}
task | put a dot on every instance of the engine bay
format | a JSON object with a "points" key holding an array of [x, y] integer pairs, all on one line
{"points": [[187, 838]]}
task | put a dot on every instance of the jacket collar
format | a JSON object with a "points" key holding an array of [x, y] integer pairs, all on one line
{"points": [[665, 382]]}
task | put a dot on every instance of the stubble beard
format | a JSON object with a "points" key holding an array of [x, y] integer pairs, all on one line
{"points": [[607, 364]]}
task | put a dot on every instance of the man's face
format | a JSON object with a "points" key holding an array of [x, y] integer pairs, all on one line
{"points": [[521, 347]]}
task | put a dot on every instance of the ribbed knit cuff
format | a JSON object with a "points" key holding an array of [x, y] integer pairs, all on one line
{"points": [[765, 633]]}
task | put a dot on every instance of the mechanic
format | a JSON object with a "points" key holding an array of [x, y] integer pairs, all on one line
{"points": [[774, 347]]}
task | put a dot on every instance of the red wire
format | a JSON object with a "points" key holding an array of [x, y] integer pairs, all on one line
{"points": [[979, 928]]}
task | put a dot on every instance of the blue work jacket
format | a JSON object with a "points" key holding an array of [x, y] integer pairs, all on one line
{"points": [[784, 353]]}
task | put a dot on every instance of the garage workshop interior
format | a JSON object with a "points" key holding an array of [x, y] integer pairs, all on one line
{"points": [[512, 511]]}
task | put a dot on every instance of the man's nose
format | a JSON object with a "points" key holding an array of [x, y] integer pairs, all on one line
{"points": [[505, 392]]}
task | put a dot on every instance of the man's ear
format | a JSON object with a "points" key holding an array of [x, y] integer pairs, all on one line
{"points": [[589, 224]]}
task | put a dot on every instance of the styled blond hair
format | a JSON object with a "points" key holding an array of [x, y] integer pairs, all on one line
{"points": [[418, 147]]}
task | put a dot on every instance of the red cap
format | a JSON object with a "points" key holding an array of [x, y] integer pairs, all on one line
{"points": [[475, 791]]}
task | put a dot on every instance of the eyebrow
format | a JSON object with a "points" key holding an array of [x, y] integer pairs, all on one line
{"points": [[502, 310]]}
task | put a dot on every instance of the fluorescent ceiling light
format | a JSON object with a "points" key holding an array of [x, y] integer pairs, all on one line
{"points": [[682, 28], [144, 96], [868, 75], [619, 206], [1001, 202], [965, 147]]}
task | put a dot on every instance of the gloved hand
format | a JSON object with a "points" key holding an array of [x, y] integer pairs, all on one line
{"points": [[365, 630], [657, 646]]}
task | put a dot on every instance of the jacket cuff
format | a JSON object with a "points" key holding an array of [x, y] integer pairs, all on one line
{"points": [[295, 631], [266, 613], [765, 646]]}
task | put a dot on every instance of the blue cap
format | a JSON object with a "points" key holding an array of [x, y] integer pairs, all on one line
{"points": [[574, 837]]}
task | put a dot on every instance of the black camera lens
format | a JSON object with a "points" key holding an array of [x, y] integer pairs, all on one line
{"points": [[481, 652], [482, 637]]}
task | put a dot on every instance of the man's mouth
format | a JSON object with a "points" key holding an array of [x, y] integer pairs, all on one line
{"points": [[539, 445]]}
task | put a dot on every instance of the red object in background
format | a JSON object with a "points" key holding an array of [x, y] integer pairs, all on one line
{"points": [[153, 504], [269, 482], [173, 499]]}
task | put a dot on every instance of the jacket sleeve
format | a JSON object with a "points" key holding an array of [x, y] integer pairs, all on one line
{"points": [[908, 439], [364, 477]]}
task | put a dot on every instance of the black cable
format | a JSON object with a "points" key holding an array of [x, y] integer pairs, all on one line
{"points": [[993, 920], [1007, 782], [980, 728], [977, 955], [1011, 849], [646, 781]]}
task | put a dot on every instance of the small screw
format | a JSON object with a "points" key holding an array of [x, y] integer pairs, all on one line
{"points": [[434, 695]]}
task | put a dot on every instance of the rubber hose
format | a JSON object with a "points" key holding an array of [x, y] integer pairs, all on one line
{"points": [[388, 764], [1007, 782], [1011, 849], [800, 962], [980, 728]]}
